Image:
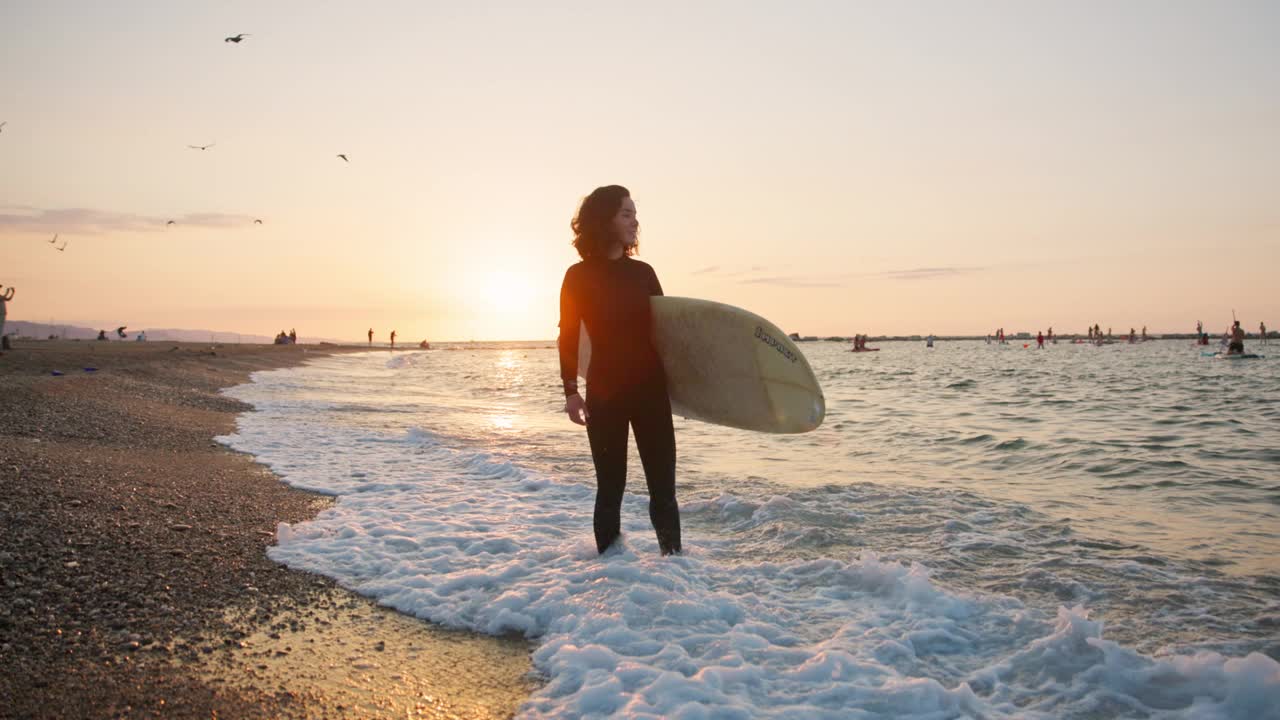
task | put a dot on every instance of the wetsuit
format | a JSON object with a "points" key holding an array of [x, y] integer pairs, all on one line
{"points": [[625, 387]]}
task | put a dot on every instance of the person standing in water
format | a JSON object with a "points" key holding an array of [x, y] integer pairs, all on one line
{"points": [[370, 337], [5, 297], [1039, 340], [1262, 332], [1236, 346], [608, 292], [393, 339]]}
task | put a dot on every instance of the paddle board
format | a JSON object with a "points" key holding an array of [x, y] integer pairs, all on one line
{"points": [[727, 366]]}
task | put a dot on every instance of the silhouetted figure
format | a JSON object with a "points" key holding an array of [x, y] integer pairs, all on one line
{"points": [[370, 337], [293, 336], [120, 332], [102, 334], [5, 297], [424, 345], [393, 339]]}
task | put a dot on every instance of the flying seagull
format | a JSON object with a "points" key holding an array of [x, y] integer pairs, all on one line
{"points": [[236, 38], [257, 221], [202, 147], [171, 222], [64, 246], [54, 241], [2, 124], [344, 157]]}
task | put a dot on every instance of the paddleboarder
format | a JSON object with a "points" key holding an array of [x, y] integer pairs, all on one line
{"points": [[6, 294], [609, 291], [1236, 346]]}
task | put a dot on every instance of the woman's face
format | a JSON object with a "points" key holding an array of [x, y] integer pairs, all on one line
{"points": [[625, 224]]}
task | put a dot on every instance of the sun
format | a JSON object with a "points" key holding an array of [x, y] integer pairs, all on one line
{"points": [[506, 290]]}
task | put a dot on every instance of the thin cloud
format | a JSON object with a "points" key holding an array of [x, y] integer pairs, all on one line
{"points": [[86, 221], [753, 276], [928, 273], [706, 270], [796, 281]]}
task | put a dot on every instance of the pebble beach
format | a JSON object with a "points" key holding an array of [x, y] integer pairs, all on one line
{"points": [[134, 580]]}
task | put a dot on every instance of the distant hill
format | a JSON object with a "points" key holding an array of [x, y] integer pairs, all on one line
{"points": [[22, 328]]}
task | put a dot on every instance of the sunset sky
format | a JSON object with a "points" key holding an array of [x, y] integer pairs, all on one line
{"points": [[838, 167]]}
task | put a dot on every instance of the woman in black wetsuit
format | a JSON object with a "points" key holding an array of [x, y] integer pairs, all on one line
{"points": [[609, 292]]}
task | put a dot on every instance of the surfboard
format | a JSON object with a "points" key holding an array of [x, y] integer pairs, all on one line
{"points": [[728, 366]]}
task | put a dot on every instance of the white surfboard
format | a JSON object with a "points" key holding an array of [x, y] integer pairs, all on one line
{"points": [[730, 367]]}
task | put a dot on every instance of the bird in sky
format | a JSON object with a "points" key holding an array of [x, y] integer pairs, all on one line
{"points": [[257, 221], [171, 222], [236, 38], [2, 124], [63, 247], [54, 241], [202, 147], [344, 157]]}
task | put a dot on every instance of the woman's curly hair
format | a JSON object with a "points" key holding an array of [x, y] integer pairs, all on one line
{"points": [[593, 233]]}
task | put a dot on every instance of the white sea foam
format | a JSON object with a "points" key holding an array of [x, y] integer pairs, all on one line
{"points": [[439, 530]]}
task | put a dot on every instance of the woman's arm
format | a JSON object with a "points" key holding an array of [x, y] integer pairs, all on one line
{"points": [[570, 321], [570, 324], [655, 287]]}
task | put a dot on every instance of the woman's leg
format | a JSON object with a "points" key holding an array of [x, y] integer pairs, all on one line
{"points": [[656, 440], [607, 432]]}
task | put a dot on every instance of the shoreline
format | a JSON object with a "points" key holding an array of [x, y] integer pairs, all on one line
{"points": [[134, 579]]}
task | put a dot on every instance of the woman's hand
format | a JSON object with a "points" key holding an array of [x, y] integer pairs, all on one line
{"points": [[576, 407]]}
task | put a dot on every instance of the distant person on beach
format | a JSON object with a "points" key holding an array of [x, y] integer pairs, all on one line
{"points": [[1199, 328], [609, 292], [1236, 346], [102, 334], [1039, 340], [5, 297], [370, 337], [1262, 329], [293, 336], [393, 339]]}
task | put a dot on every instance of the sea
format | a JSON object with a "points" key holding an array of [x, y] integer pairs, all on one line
{"points": [[976, 531]]}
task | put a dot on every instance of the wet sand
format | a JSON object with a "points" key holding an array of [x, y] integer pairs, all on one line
{"points": [[134, 580]]}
